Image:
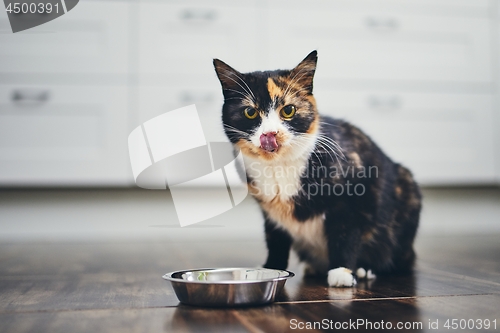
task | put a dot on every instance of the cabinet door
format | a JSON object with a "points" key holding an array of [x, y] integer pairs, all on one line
{"points": [[391, 40], [55, 135], [92, 38], [181, 38], [156, 100], [443, 138]]}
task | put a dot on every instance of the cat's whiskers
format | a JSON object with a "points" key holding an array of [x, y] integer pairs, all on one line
{"points": [[317, 157], [327, 150], [336, 149], [237, 131], [334, 143], [331, 143], [230, 98], [328, 145], [239, 92], [302, 140], [308, 139], [328, 124], [241, 79], [248, 91]]}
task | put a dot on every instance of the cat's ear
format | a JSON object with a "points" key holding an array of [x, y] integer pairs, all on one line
{"points": [[303, 73], [227, 75]]}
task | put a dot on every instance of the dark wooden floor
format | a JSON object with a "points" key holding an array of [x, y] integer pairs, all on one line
{"points": [[98, 287]]}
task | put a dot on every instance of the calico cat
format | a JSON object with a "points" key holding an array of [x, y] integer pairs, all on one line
{"points": [[325, 188]]}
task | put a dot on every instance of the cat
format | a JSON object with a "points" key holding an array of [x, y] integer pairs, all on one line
{"points": [[325, 188]]}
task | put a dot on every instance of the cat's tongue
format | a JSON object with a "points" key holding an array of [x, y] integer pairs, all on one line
{"points": [[268, 142]]}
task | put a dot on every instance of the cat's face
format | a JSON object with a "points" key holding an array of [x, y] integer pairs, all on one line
{"points": [[270, 115]]}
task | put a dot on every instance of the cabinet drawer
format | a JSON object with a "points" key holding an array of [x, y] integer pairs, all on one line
{"points": [[443, 138], [154, 101], [51, 135], [183, 37], [384, 42], [93, 38]]}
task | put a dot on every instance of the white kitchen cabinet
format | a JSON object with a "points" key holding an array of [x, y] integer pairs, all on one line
{"points": [[387, 41], [92, 39], [72, 90], [63, 135], [179, 39], [442, 138]]}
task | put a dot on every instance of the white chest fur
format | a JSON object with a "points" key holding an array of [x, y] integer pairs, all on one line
{"points": [[275, 185], [272, 181]]}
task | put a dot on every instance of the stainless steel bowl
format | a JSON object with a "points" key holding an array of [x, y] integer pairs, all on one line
{"points": [[228, 286]]}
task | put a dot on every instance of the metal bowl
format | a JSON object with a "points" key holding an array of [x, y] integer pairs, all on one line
{"points": [[228, 286]]}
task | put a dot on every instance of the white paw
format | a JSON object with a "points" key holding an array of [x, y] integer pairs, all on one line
{"points": [[370, 275], [361, 273], [341, 277]]}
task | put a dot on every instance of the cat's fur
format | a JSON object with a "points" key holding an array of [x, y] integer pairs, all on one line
{"points": [[298, 184]]}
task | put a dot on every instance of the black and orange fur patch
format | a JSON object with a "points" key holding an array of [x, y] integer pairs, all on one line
{"points": [[374, 230]]}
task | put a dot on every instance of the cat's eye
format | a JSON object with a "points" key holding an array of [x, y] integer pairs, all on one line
{"points": [[251, 113], [288, 111]]}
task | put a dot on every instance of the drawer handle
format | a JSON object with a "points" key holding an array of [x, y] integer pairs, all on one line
{"points": [[388, 103], [30, 96], [190, 97], [198, 15], [382, 24]]}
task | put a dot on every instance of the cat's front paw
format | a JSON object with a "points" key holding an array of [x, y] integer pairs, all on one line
{"points": [[341, 277]]}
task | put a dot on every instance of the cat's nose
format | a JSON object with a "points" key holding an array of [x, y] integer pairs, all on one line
{"points": [[268, 141]]}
